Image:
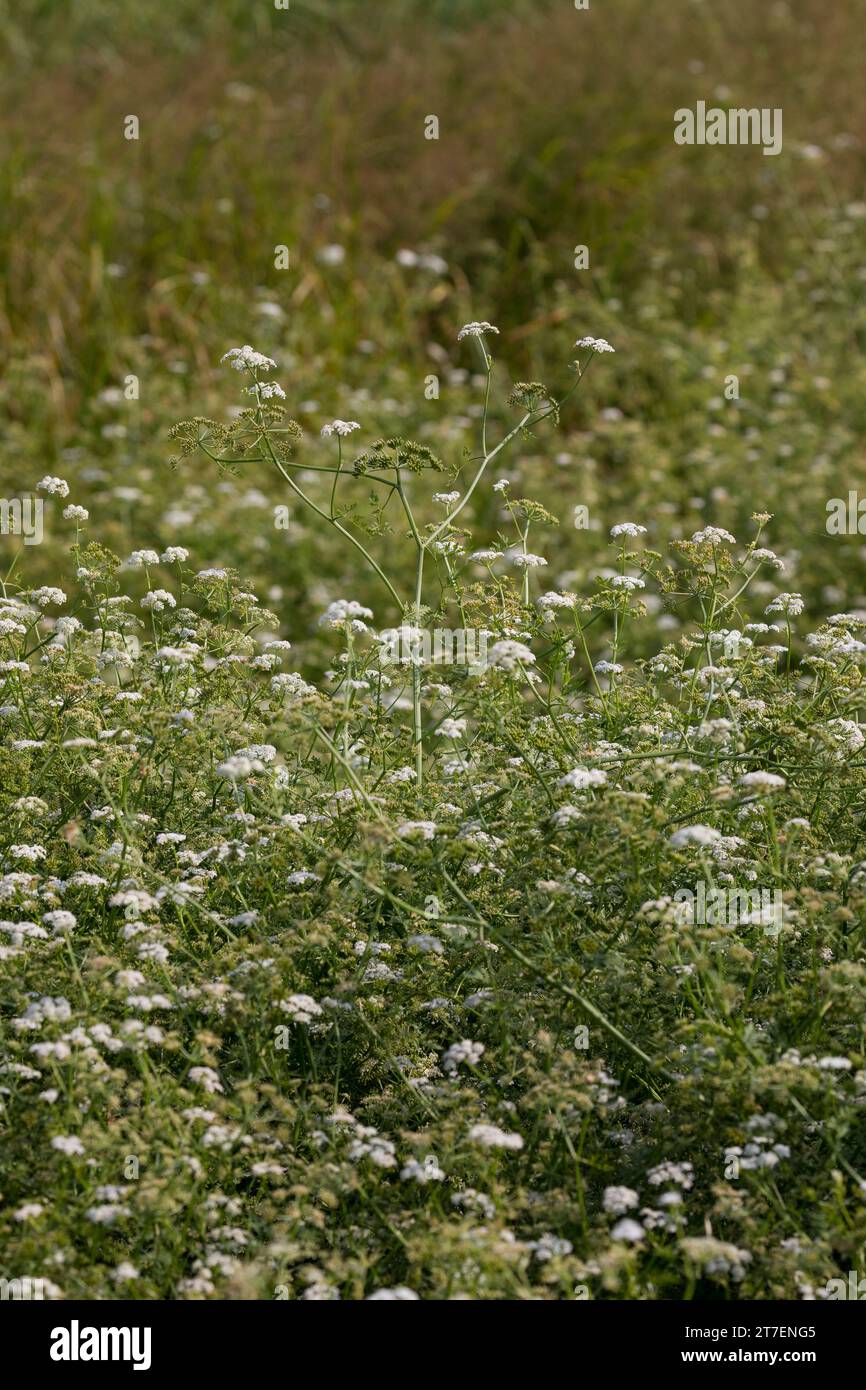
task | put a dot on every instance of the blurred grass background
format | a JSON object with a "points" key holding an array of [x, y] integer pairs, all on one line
{"points": [[305, 127]]}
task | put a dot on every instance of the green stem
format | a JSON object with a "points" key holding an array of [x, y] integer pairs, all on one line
{"points": [[333, 522]]}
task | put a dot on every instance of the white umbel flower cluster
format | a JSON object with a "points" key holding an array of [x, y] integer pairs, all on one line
{"points": [[476, 330], [595, 344], [246, 359]]}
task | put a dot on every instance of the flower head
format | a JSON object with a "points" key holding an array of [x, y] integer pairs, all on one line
{"points": [[340, 427], [246, 358], [476, 330], [595, 344], [58, 486]]}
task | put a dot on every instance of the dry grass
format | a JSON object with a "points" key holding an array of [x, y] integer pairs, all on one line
{"points": [[555, 128]]}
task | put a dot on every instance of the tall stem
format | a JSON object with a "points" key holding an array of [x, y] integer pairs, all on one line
{"points": [[416, 617], [324, 515], [443, 525], [416, 679]]}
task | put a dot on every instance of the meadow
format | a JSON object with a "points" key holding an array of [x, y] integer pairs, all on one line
{"points": [[341, 960]]}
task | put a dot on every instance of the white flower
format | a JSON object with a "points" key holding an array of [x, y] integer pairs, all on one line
{"points": [[426, 261], [59, 921], [158, 600], [290, 683], [47, 595], [422, 941], [682, 1174], [583, 777], [399, 1294], [128, 979], [63, 628], [371, 1145], [334, 254], [508, 654], [627, 581], [465, 1051], [476, 330], [401, 774], [762, 782], [138, 900], [28, 1212], [555, 599], [694, 835], [57, 486], [138, 558], [492, 1137], [48, 1008], [73, 513], [174, 555], [618, 1200], [527, 561], [301, 1008], [237, 768], [627, 528], [790, 604], [264, 752], [342, 611], [767, 557], [451, 728], [628, 1230], [713, 535], [596, 344], [205, 1077], [413, 829], [340, 427], [106, 1215], [31, 853], [247, 359], [68, 1144]]}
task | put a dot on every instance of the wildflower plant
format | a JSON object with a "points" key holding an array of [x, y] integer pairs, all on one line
{"points": [[284, 1019], [432, 840], [261, 433]]}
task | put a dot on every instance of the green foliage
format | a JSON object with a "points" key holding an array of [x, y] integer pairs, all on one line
{"points": [[265, 985], [331, 967]]}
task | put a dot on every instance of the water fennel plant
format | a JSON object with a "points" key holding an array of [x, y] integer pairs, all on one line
{"points": [[262, 433]]}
